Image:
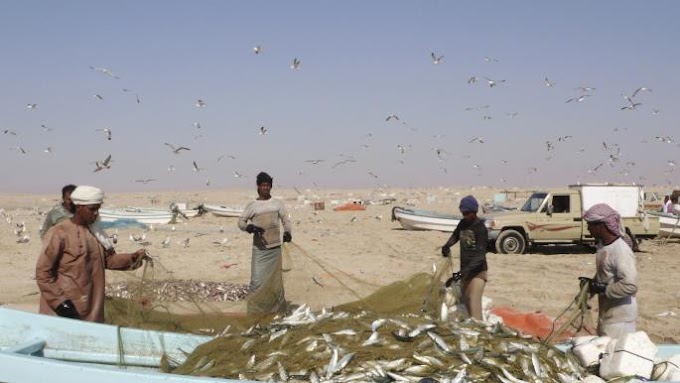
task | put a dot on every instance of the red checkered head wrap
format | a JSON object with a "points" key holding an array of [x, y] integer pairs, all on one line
{"points": [[604, 213]]}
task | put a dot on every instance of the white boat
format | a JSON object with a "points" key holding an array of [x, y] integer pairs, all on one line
{"points": [[418, 219], [136, 214], [669, 224], [222, 211], [42, 348]]}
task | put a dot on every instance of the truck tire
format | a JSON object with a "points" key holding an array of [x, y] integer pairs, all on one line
{"points": [[511, 242]]}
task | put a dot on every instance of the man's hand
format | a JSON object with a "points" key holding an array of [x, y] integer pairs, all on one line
{"points": [[446, 251], [594, 287], [252, 229], [287, 237], [67, 310]]}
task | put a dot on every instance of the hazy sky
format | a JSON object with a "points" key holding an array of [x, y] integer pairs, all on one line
{"points": [[361, 61]]}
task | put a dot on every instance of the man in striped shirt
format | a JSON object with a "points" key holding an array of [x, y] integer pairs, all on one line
{"points": [[263, 218]]}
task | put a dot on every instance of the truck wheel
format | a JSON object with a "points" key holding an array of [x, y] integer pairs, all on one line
{"points": [[511, 242]]}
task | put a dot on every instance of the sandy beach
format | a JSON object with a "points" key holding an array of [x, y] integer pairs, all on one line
{"points": [[362, 249]]}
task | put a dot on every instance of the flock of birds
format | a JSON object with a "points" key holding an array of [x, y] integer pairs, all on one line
{"points": [[612, 152]]}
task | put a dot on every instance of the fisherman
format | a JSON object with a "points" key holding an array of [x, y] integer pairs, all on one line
{"points": [[262, 218], [616, 281], [70, 268], [473, 237], [59, 212], [667, 205]]}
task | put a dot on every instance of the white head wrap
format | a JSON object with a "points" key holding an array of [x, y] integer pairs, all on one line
{"points": [[87, 195]]}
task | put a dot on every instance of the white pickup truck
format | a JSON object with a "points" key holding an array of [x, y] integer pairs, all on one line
{"points": [[555, 216]]}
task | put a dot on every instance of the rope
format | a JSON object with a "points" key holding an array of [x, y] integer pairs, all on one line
{"points": [[323, 266], [581, 303]]}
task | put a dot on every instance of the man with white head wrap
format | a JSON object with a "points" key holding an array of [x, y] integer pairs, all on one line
{"points": [[70, 268], [616, 280]]}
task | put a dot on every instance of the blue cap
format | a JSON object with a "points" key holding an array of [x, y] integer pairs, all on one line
{"points": [[469, 203]]}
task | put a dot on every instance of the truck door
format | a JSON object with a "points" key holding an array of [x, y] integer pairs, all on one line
{"points": [[560, 224]]}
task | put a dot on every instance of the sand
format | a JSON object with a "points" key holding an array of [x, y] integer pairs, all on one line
{"points": [[359, 251]]}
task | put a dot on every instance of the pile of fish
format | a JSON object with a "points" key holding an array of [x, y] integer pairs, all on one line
{"points": [[178, 290], [341, 346]]}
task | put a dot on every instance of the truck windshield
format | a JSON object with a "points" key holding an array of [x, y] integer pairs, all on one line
{"points": [[534, 202]]}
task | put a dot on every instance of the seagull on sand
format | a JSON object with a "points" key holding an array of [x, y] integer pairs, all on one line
{"points": [[296, 64], [257, 50], [200, 103], [107, 132], [25, 239], [436, 59], [106, 164], [166, 242], [176, 149]]}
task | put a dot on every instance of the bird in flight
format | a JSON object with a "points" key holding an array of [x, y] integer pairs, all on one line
{"points": [[197, 125], [296, 64], [638, 90], [490, 59], [98, 97], [631, 105], [196, 168], [335, 165], [480, 139], [10, 132], [106, 164], [175, 149], [585, 89], [263, 131], [493, 82], [107, 132], [314, 162], [145, 180], [436, 59], [257, 50], [227, 155], [472, 80], [237, 174], [548, 83], [31, 106], [171, 168], [392, 116], [578, 99], [200, 103], [48, 150], [105, 71], [21, 150]]}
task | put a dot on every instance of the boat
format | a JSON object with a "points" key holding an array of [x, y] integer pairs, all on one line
{"points": [[669, 224], [35, 348], [144, 216], [221, 210], [418, 219]]}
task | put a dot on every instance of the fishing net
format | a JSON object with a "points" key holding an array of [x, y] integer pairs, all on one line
{"points": [[576, 319]]}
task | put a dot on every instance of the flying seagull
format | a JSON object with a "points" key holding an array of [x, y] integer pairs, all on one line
{"points": [[200, 103], [548, 83], [145, 180], [105, 71], [436, 59], [493, 82], [106, 164], [392, 116], [257, 50], [578, 99], [237, 174], [263, 130], [175, 149], [31, 106], [196, 168], [480, 139], [314, 162], [106, 131], [296, 64]]}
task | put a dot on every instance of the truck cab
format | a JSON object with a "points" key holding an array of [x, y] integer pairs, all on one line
{"points": [[555, 216]]}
